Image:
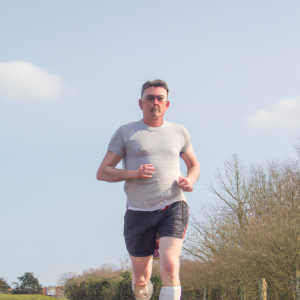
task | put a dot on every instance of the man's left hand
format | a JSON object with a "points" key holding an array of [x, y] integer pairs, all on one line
{"points": [[185, 184]]}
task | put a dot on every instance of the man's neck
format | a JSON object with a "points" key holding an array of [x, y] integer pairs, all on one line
{"points": [[154, 123]]}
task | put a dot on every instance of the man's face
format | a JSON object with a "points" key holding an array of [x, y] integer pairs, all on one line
{"points": [[154, 102]]}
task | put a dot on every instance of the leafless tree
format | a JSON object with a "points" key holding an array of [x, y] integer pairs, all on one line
{"points": [[253, 233]]}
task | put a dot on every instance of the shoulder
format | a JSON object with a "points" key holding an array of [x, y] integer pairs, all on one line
{"points": [[125, 131], [176, 127], [129, 126], [180, 131]]}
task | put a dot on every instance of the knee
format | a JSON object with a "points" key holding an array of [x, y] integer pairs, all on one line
{"points": [[170, 273]]}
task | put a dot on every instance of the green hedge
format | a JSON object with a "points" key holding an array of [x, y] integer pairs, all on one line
{"points": [[95, 288]]}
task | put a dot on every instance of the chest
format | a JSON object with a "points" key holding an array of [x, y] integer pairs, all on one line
{"points": [[154, 144]]}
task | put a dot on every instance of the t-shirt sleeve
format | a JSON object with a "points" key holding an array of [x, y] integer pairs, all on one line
{"points": [[116, 144], [186, 141]]}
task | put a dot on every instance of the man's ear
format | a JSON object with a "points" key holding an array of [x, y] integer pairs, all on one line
{"points": [[141, 104], [167, 105]]}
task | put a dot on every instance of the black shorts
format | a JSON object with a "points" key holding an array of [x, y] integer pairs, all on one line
{"points": [[142, 227]]}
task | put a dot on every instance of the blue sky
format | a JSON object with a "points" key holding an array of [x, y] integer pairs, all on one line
{"points": [[70, 75]]}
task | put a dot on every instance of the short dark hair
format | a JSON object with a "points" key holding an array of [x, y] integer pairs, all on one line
{"points": [[155, 83]]}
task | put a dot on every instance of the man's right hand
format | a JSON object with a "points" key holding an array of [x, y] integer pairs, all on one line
{"points": [[108, 172], [145, 171]]}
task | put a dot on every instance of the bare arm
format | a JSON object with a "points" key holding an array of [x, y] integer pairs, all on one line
{"points": [[108, 172], [193, 170]]}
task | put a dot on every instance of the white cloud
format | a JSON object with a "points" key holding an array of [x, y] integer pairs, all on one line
{"points": [[21, 80], [283, 114]]}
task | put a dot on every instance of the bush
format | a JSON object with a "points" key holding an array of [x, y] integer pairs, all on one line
{"points": [[92, 288], [98, 288], [124, 287], [21, 291]]}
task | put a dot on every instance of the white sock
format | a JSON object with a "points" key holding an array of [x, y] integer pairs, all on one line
{"points": [[170, 293]]}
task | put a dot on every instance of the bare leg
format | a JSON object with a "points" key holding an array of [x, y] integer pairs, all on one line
{"points": [[142, 269], [170, 249]]}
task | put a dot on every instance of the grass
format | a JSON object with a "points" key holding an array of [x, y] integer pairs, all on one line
{"points": [[23, 297]]}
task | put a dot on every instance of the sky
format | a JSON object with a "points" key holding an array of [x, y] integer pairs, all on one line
{"points": [[71, 74]]}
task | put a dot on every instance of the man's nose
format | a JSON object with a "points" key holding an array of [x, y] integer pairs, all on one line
{"points": [[155, 100]]}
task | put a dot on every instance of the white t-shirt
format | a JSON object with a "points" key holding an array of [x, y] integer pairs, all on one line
{"points": [[140, 144]]}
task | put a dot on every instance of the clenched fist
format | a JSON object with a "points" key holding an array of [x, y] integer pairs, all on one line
{"points": [[145, 171], [185, 184]]}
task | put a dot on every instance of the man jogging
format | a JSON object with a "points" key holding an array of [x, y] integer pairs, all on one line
{"points": [[150, 149]]}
